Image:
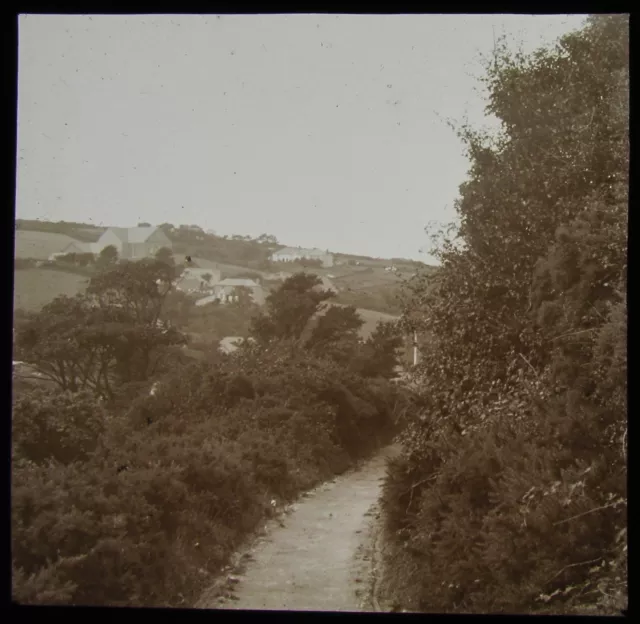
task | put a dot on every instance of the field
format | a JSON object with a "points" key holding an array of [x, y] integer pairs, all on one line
{"points": [[371, 319], [39, 245], [34, 288]]}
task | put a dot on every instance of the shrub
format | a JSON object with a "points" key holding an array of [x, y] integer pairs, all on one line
{"points": [[148, 511], [511, 493]]}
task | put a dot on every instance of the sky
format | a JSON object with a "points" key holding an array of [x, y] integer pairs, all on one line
{"points": [[324, 130]]}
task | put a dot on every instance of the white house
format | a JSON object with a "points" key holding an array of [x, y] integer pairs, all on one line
{"points": [[292, 254]]}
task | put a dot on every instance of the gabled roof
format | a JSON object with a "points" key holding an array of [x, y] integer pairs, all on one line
{"points": [[134, 234]]}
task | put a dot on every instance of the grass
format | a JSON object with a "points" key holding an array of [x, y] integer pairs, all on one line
{"points": [[34, 288], [371, 319], [39, 245]]}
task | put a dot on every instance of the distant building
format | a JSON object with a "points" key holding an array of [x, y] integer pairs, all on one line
{"points": [[131, 243], [292, 254]]}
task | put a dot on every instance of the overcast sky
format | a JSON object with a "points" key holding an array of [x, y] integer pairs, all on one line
{"points": [[324, 130]]}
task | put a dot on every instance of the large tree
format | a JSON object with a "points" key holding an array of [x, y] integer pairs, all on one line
{"points": [[110, 335], [335, 333], [290, 308]]}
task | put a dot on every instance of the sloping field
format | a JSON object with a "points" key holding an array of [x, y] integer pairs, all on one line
{"points": [[371, 319], [39, 245], [34, 288], [367, 278]]}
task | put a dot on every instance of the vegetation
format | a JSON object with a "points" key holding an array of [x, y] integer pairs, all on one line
{"points": [[511, 494], [121, 496]]}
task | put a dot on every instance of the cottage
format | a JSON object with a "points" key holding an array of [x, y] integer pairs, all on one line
{"points": [[293, 254]]}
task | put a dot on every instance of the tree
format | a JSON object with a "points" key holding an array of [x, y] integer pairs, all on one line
{"points": [[379, 355], [59, 343], [517, 413], [267, 239], [207, 277], [144, 224], [290, 308], [177, 308], [335, 333], [110, 335], [108, 256], [138, 291], [165, 255], [139, 288]]}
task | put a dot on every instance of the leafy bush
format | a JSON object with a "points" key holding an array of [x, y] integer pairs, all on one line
{"points": [[511, 493], [176, 479], [61, 426]]}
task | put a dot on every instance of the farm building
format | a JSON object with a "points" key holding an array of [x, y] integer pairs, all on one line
{"points": [[292, 254]]}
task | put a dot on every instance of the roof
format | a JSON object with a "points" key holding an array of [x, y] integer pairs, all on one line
{"points": [[134, 234], [299, 251], [238, 282]]}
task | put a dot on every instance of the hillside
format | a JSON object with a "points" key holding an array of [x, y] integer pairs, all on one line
{"points": [[34, 288], [39, 245]]}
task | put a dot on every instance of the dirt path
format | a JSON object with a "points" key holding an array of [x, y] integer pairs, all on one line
{"points": [[319, 555]]}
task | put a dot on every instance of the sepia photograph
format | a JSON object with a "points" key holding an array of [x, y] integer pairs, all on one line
{"points": [[321, 312]]}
